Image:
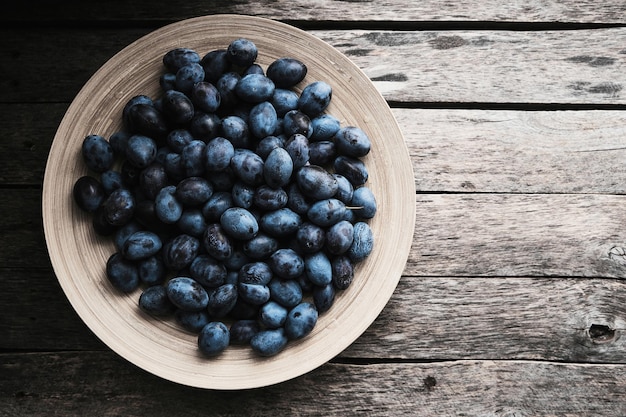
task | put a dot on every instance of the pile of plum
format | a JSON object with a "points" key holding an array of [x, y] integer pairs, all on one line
{"points": [[237, 206]]}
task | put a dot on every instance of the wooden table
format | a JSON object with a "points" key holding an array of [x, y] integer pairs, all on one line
{"points": [[512, 301]]}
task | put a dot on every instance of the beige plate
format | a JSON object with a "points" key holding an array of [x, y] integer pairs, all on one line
{"points": [[78, 255]]}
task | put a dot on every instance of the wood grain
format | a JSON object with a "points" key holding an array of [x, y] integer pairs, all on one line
{"points": [[579, 152], [567, 67], [533, 11], [96, 383], [427, 319], [519, 235]]}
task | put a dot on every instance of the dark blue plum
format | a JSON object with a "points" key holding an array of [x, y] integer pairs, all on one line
{"points": [[352, 141], [205, 126], [177, 107], [188, 75], [343, 272], [353, 169], [118, 141], [298, 148], [192, 321], [218, 153], [266, 145], [187, 294], [194, 191], [345, 190], [339, 237], [286, 263], [213, 339], [242, 331], [262, 120], [141, 150], [176, 58], [300, 321], [327, 212], [215, 64], [242, 52], [287, 293], [267, 198], [278, 168], [122, 273], [324, 297], [141, 245], [226, 86], [253, 69], [222, 300], [284, 100], [243, 194], [97, 153], [152, 179], [364, 201], [315, 98], [167, 207], [310, 238], [316, 182], [297, 201], [322, 153], [255, 88], [286, 72], [167, 81], [239, 223], [216, 242], [318, 268], [88, 193], [258, 273], [146, 119], [154, 301], [177, 139], [180, 251], [260, 247], [269, 342], [138, 99], [216, 205], [363, 242], [205, 97], [295, 121], [255, 294], [324, 127], [208, 271], [119, 207], [247, 166], [280, 223], [124, 232], [192, 222], [272, 315], [192, 158], [151, 270], [111, 180], [235, 129]]}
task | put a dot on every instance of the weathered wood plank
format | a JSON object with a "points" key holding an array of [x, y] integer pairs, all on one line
{"points": [[92, 383], [452, 150], [516, 151], [570, 67], [519, 235], [578, 320], [455, 235], [499, 67], [585, 11]]}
